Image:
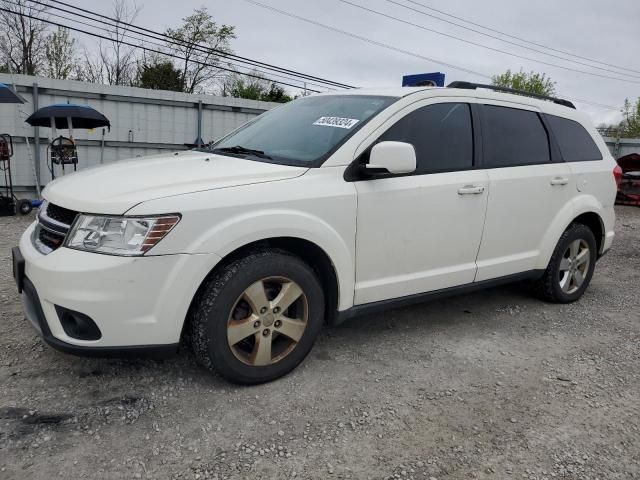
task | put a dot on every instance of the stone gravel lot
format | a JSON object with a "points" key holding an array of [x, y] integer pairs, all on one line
{"points": [[490, 385]]}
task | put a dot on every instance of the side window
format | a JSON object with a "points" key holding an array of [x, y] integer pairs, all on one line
{"points": [[513, 137], [576, 145], [441, 134]]}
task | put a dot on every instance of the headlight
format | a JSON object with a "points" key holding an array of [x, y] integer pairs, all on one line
{"points": [[129, 236]]}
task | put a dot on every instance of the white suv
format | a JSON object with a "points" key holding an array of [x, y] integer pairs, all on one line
{"points": [[321, 209]]}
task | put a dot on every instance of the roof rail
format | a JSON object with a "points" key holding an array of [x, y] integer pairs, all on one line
{"points": [[473, 86]]}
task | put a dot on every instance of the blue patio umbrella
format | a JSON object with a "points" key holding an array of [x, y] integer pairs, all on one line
{"points": [[9, 95]]}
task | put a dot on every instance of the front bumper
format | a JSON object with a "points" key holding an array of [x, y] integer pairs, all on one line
{"points": [[138, 303]]}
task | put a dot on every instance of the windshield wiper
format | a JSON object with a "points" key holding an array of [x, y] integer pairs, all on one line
{"points": [[240, 150]]}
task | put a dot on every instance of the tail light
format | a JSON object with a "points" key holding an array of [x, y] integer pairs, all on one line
{"points": [[617, 174]]}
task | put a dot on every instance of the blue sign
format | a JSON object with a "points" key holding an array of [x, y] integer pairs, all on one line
{"points": [[435, 79]]}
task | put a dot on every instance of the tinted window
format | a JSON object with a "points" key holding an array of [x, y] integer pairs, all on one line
{"points": [[576, 145], [305, 131], [513, 137], [441, 134]]}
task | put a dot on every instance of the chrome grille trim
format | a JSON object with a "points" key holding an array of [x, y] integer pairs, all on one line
{"points": [[53, 228], [52, 224]]}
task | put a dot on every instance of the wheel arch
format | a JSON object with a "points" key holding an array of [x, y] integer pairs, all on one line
{"points": [[595, 224], [311, 253], [587, 215]]}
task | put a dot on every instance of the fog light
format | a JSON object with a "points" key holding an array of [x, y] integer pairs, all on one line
{"points": [[78, 325]]}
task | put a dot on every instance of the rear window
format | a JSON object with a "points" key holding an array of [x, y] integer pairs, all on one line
{"points": [[576, 145], [513, 137]]}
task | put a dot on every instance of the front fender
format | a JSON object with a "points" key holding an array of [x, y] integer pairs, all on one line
{"points": [[236, 232]]}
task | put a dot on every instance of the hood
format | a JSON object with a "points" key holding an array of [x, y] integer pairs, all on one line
{"points": [[115, 188]]}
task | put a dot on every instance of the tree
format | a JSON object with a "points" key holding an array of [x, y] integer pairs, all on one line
{"points": [[60, 54], [254, 88], [199, 41], [276, 94], [23, 36], [630, 125], [529, 82], [91, 69], [160, 75], [115, 63]]}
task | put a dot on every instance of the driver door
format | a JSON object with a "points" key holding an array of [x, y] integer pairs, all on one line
{"points": [[421, 232]]}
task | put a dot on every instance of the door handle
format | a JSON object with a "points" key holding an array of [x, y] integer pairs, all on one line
{"points": [[470, 190], [559, 181]]}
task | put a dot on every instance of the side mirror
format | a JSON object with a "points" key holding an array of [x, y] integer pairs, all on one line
{"points": [[394, 157]]}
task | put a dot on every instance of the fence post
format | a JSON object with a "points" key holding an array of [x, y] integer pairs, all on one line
{"points": [[36, 136], [199, 137]]}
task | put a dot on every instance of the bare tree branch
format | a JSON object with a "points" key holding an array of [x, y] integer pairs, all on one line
{"points": [[23, 39], [198, 30]]}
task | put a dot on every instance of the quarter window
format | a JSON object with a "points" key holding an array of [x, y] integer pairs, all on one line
{"points": [[576, 145], [513, 137], [441, 134]]}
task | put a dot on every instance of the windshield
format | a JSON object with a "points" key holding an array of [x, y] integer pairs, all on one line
{"points": [[303, 132]]}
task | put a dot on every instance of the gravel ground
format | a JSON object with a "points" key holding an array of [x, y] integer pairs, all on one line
{"points": [[491, 385]]}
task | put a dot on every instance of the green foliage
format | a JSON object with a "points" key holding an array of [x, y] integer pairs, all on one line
{"points": [[160, 75], [252, 88], [630, 125], [200, 40], [60, 54], [529, 82], [276, 94]]}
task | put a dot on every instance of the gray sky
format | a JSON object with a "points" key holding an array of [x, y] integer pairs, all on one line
{"points": [[604, 31]]}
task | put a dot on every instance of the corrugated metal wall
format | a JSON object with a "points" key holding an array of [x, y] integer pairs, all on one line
{"points": [[619, 147], [143, 122]]}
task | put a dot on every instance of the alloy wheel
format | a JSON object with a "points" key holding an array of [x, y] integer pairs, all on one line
{"points": [[574, 266], [267, 321]]}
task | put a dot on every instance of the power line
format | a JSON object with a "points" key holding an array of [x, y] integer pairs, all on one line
{"points": [[143, 40], [127, 27], [93, 34], [293, 16], [219, 52], [365, 39], [594, 104], [381, 44], [502, 33], [422, 27]]}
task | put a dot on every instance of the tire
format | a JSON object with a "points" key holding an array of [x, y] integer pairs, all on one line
{"points": [[230, 302], [24, 207], [558, 283]]}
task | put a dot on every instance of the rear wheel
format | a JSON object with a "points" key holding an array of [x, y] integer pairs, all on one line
{"points": [[571, 266], [257, 318]]}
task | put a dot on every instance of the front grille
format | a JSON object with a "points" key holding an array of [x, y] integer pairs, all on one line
{"points": [[61, 214], [54, 223], [50, 239]]}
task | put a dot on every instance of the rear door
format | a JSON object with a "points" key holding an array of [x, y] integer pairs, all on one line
{"points": [[421, 232], [528, 185]]}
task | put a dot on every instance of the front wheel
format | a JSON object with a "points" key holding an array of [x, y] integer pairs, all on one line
{"points": [[257, 318], [571, 266]]}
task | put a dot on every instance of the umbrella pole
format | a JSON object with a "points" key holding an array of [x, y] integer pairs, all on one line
{"points": [[70, 125], [53, 128], [53, 137], [73, 143]]}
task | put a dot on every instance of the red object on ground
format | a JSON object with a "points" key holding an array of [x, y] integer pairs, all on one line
{"points": [[629, 184]]}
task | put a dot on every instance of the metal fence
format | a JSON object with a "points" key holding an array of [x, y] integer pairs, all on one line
{"points": [[619, 147], [143, 122]]}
